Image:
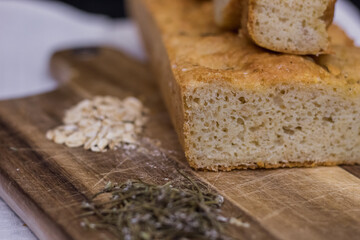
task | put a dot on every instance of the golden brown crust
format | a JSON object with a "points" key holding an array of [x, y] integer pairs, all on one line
{"points": [[261, 165], [188, 50], [329, 13], [199, 52], [339, 37], [170, 89]]}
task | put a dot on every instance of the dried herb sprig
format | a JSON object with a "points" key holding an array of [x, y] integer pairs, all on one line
{"points": [[138, 210]]}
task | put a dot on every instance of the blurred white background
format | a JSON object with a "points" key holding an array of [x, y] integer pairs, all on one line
{"points": [[32, 30]]}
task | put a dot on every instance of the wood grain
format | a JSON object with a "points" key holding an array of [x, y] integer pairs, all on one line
{"points": [[45, 183], [317, 203]]}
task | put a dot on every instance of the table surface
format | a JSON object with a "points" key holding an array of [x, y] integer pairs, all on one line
{"points": [[24, 56]]}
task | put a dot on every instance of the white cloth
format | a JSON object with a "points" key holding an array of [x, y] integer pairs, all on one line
{"points": [[31, 30], [11, 227]]}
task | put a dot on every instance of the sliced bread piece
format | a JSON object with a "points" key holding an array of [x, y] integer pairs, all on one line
{"points": [[294, 26]]}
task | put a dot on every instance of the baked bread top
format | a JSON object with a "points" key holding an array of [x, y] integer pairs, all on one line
{"points": [[201, 52]]}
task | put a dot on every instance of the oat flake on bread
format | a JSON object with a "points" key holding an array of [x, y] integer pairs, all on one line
{"points": [[101, 123]]}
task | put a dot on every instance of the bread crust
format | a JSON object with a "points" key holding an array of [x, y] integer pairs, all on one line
{"points": [[329, 13], [262, 165], [338, 36], [171, 91], [187, 50]]}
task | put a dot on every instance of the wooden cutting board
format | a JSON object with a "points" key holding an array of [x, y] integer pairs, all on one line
{"points": [[45, 183]]}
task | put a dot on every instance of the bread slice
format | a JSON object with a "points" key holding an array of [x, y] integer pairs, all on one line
{"points": [[236, 106], [296, 26], [228, 13]]}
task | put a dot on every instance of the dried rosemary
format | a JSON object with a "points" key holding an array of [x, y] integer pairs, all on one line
{"points": [[138, 210]]}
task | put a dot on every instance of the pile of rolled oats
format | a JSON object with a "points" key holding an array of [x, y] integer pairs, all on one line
{"points": [[101, 123]]}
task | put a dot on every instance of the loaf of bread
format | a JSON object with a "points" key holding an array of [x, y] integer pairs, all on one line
{"points": [[237, 106]]}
